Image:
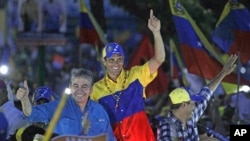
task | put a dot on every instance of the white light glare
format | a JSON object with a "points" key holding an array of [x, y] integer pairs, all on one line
{"points": [[67, 91], [244, 88], [4, 69], [243, 70]]}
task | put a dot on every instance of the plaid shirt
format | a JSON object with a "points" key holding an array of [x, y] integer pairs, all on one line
{"points": [[171, 129]]}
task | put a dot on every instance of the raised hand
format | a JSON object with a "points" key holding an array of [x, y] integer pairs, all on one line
{"points": [[230, 65], [23, 92], [154, 24]]}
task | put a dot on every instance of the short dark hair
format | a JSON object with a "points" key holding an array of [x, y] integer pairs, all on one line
{"points": [[175, 106]]}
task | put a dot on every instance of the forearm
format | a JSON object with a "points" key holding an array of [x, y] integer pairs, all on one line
{"points": [[26, 107], [213, 84], [228, 67], [159, 47]]}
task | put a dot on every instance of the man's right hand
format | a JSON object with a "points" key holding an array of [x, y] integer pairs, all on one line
{"points": [[23, 92]]}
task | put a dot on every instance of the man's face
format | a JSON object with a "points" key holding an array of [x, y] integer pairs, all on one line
{"points": [[41, 101], [189, 107], [114, 64], [81, 88]]}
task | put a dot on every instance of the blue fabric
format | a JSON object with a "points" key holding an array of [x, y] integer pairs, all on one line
{"points": [[237, 18], [112, 49], [3, 127], [132, 102], [85, 21], [223, 34], [14, 117], [186, 33], [70, 121]]}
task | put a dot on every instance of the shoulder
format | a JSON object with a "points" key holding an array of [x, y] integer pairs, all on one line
{"points": [[138, 67], [95, 105], [99, 83], [97, 109], [98, 89], [164, 122]]}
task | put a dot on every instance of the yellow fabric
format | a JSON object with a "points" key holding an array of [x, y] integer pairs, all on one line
{"points": [[230, 88], [104, 52], [179, 95], [142, 73], [19, 133]]}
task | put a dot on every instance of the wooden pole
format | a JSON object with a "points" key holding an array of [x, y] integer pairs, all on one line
{"points": [[55, 118]]}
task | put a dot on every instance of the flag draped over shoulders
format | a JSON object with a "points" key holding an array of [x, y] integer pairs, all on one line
{"points": [[232, 32], [199, 56]]}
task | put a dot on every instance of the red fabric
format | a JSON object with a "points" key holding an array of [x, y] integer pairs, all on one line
{"points": [[134, 128], [159, 85], [242, 45], [89, 36], [143, 53], [58, 61], [200, 63], [88, 32]]}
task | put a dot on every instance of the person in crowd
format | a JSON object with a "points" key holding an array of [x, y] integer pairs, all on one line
{"points": [[14, 116], [41, 95], [122, 92], [80, 116], [236, 109], [187, 108], [31, 16], [240, 102], [3, 126], [53, 16], [205, 123]]}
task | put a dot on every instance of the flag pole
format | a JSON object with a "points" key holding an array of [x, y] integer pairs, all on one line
{"points": [[55, 117], [238, 89], [171, 59]]}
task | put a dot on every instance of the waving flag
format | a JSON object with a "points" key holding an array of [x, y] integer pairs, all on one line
{"points": [[142, 54], [90, 31], [197, 52], [232, 32], [194, 82]]}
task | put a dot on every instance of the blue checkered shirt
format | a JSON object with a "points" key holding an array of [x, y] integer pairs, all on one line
{"points": [[171, 129]]}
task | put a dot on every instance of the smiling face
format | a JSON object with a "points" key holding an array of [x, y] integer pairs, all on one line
{"points": [[114, 65], [81, 88]]}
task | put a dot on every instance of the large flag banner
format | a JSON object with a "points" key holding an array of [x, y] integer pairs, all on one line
{"points": [[142, 54], [90, 31], [195, 48], [232, 32], [194, 82]]}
